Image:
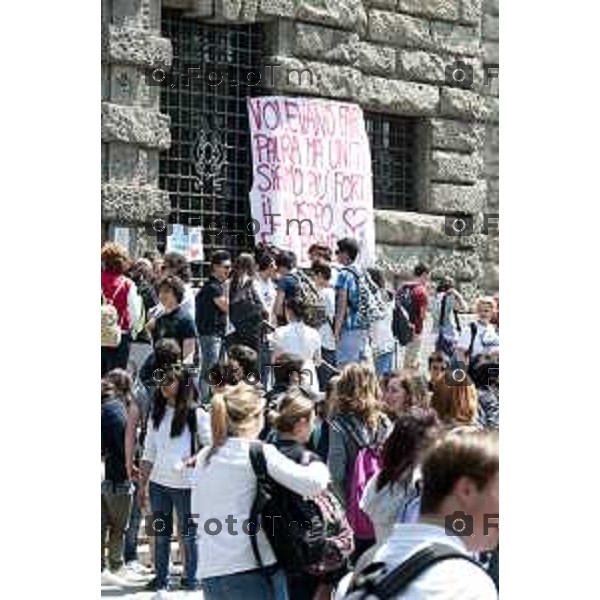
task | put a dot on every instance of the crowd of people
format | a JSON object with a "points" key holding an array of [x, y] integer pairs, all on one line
{"points": [[275, 396]]}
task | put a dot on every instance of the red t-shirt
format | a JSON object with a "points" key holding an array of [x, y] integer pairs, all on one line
{"points": [[420, 299], [110, 283]]}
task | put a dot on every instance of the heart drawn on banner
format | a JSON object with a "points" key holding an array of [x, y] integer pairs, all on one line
{"points": [[355, 217]]}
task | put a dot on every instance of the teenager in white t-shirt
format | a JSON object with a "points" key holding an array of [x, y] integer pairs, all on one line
{"points": [[299, 339], [267, 290]]}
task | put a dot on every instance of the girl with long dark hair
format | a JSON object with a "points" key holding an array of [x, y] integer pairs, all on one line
{"points": [[172, 439], [392, 495], [246, 309]]}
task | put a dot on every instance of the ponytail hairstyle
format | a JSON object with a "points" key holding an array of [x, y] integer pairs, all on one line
{"points": [[235, 411], [358, 394], [412, 435], [293, 407]]}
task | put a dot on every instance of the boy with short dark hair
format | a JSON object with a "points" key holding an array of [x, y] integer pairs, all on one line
{"points": [[175, 323], [351, 339], [212, 307]]}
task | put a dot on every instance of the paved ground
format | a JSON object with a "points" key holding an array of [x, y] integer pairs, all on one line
{"points": [[120, 594], [108, 592]]}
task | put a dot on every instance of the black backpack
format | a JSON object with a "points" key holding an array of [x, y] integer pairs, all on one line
{"points": [[245, 308], [405, 313], [307, 536], [378, 582]]}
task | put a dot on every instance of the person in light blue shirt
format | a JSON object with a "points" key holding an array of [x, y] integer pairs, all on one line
{"points": [[351, 338]]}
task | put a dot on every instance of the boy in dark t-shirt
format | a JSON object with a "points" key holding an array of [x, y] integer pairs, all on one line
{"points": [[176, 324], [212, 307]]}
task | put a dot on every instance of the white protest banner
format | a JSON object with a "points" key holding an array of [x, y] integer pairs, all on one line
{"points": [[311, 174], [121, 235], [187, 241]]}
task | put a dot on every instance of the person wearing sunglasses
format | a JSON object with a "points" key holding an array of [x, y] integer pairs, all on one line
{"points": [[212, 306]]}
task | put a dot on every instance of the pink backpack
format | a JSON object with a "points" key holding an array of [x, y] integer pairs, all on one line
{"points": [[366, 464]]}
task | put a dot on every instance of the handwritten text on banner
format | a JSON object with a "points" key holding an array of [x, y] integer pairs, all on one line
{"points": [[311, 174]]}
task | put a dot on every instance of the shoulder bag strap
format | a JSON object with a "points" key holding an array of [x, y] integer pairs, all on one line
{"points": [[457, 321], [473, 336], [443, 308], [257, 460], [193, 426], [259, 466], [398, 579], [121, 284], [353, 271], [343, 425]]}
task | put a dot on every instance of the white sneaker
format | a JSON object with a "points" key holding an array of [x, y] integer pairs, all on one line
{"points": [[137, 567], [161, 595], [112, 579], [130, 577]]}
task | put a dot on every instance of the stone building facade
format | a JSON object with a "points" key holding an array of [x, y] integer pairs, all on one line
{"points": [[390, 56]]}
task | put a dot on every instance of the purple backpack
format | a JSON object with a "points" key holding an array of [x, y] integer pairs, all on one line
{"points": [[366, 464]]}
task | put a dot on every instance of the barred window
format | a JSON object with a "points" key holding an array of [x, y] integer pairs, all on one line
{"points": [[207, 170], [393, 160]]}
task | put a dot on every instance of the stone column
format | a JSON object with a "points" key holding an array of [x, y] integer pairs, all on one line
{"points": [[133, 129], [490, 280]]}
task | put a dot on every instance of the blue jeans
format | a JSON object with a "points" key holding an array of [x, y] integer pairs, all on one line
{"points": [[384, 363], [265, 365], [352, 347], [131, 535], [162, 500], [248, 585], [210, 348]]}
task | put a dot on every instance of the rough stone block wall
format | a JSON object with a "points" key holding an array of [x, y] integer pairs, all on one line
{"points": [[133, 129], [388, 55]]}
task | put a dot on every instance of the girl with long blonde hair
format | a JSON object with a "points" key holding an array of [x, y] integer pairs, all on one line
{"points": [[359, 423]]}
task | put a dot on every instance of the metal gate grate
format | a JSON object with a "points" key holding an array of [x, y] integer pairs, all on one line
{"points": [[207, 171], [393, 161]]}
